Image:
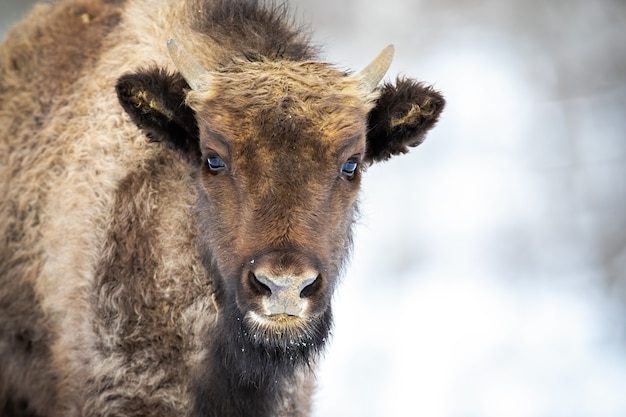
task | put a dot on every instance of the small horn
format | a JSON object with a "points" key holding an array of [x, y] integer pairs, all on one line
{"points": [[371, 75], [190, 69]]}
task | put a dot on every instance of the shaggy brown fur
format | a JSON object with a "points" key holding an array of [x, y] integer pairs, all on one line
{"points": [[140, 221]]}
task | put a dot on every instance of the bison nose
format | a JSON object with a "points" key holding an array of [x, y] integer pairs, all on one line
{"points": [[285, 294]]}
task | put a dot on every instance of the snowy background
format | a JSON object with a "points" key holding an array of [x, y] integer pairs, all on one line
{"points": [[489, 274]]}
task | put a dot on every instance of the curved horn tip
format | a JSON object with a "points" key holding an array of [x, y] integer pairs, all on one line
{"points": [[190, 69], [389, 50], [376, 70], [172, 45], [174, 48]]}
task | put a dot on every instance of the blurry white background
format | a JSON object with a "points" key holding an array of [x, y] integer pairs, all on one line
{"points": [[489, 273]]}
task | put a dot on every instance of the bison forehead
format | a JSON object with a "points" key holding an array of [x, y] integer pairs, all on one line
{"points": [[304, 96], [273, 77]]}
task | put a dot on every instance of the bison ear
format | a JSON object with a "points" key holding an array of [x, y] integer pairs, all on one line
{"points": [[403, 114], [155, 102]]}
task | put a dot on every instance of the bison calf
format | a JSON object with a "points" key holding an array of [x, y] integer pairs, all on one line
{"points": [[179, 182]]}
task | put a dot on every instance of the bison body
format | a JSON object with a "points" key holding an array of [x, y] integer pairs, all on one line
{"points": [[174, 215]]}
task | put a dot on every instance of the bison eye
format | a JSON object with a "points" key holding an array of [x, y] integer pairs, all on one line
{"points": [[216, 164], [349, 168]]}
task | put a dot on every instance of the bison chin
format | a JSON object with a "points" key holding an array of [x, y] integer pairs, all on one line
{"points": [[258, 345]]}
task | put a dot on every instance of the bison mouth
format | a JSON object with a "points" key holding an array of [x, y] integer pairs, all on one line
{"points": [[285, 332], [258, 342]]}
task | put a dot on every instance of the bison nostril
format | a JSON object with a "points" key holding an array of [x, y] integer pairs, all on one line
{"points": [[312, 288], [257, 285]]}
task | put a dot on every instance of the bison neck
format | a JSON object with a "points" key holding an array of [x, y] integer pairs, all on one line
{"points": [[225, 392], [241, 382]]}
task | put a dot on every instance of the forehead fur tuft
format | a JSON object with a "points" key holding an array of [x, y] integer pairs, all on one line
{"points": [[269, 79], [299, 90]]}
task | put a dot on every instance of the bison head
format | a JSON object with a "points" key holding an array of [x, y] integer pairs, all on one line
{"points": [[277, 149]]}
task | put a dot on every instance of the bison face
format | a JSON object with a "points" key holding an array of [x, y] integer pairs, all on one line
{"points": [[281, 147], [278, 150]]}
